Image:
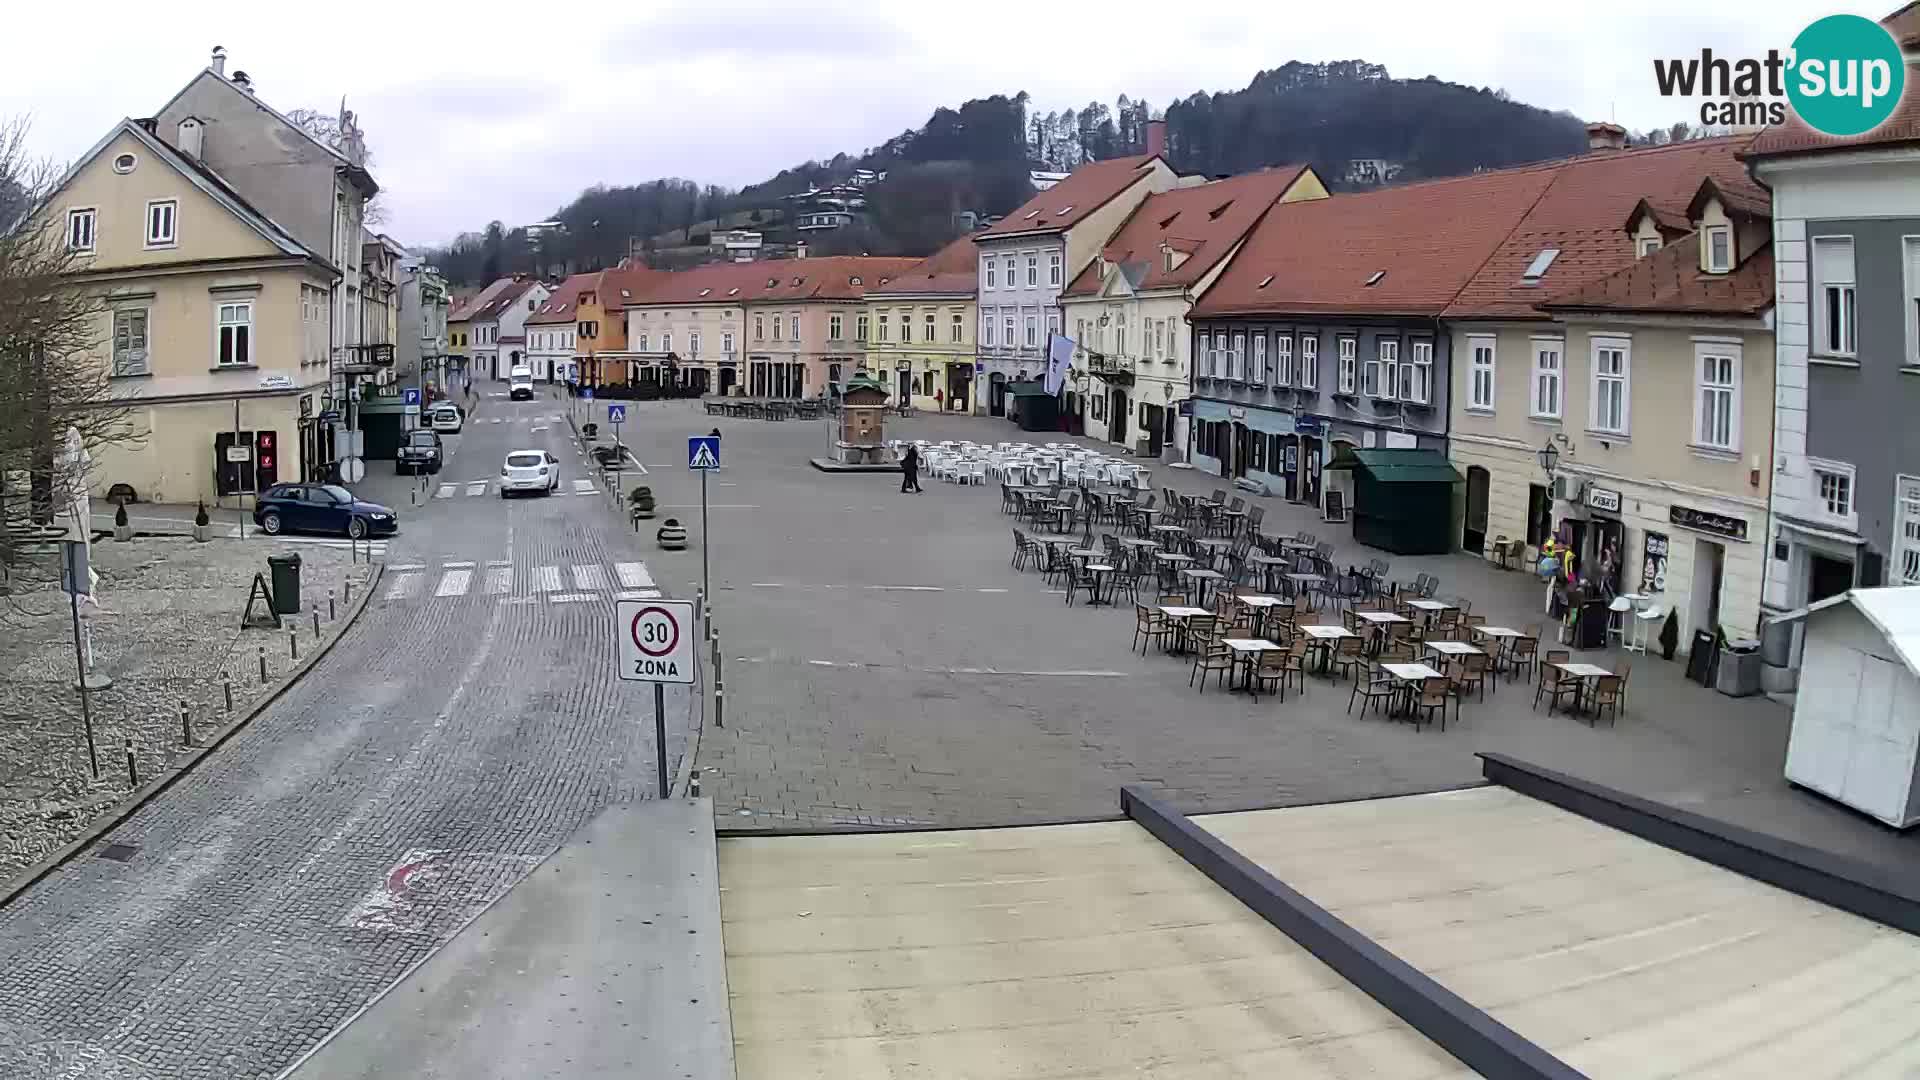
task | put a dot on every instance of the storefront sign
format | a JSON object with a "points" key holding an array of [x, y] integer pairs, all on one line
{"points": [[306, 406], [1653, 568], [1186, 407], [1308, 425], [1706, 521], [1234, 412], [1604, 499]]}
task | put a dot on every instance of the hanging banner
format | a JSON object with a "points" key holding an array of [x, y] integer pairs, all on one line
{"points": [[1059, 359]]}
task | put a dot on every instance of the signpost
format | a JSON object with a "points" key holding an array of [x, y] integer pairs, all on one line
{"points": [[410, 399], [656, 645], [703, 456]]}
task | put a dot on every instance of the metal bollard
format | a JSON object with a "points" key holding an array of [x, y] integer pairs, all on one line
{"points": [[719, 704], [186, 726], [133, 767], [693, 788], [331, 613], [349, 588], [226, 684], [263, 664], [293, 644], [316, 621]]}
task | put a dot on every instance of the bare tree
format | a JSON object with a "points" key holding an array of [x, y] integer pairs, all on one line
{"points": [[52, 377], [327, 129]]}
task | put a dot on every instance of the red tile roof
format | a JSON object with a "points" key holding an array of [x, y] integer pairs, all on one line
{"points": [[622, 284], [1204, 221], [1904, 25], [1795, 137], [1068, 202], [837, 277], [501, 301], [1670, 282], [1316, 256], [953, 270], [1581, 213], [464, 311], [563, 304]]}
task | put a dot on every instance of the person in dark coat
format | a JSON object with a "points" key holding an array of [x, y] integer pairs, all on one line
{"points": [[910, 470]]}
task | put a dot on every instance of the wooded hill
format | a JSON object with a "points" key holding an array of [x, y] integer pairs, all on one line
{"points": [[1351, 120]]}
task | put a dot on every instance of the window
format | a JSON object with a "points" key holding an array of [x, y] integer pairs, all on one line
{"points": [[1649, 245], [130, 341], [726, 342], [1541, 263], [928, 328], [1282, 359], [860, 327], [992, 272], [1912, 244], [1053, 268], [666, 341], [1053, 324], [1906, 531], [1378, 379], [1120, 339], [886, 327], [1546, 379], [1258, 372], [793, 326], [1833, 296], [235, 331], [986, 329], [1159, 337], [1033, 270], [1720, 249], [957, 332], [1222, 356], [835, 327], [906, 326], [1717, 396], [1212, 364], [1310, 362], [1480, 373], [1007, 325], [640, 343], [1349, 363], [1833, 491], [125, 163], [1416, 379], [776, 328], [693, 343], [1237, 358], [759, 328], [1610, 386], [160, 222], [80, 230], [1033, 331]]}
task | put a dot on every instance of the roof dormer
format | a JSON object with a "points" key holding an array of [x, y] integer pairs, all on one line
{"points": [[1730, 224], [1172, 255], [1651, 228]]}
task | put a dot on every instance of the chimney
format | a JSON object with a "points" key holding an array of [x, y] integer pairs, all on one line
{"points": [[219, 64], [800, 249], [1604, 136], [1156, 138], [241, 80], [191, 134]]}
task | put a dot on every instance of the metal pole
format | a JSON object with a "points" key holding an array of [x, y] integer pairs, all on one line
{"points": [[186, 726], [706, 546], [80, 665], [133, 770], [660, 734]]}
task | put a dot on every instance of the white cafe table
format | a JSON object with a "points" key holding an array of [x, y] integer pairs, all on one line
{"points": [[1454, 648]]}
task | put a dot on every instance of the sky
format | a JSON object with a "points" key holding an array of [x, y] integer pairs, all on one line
{"points": [[474, 114]]}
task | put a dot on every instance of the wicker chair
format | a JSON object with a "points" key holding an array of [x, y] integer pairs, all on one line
{"points": [[1553, 682], [1471, 673], [1377, 686], [1212, 656], [1606, 695], [1149, 626], [1431, 701]]}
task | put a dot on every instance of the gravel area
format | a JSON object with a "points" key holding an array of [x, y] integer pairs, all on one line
{"points": [[167, 629]]}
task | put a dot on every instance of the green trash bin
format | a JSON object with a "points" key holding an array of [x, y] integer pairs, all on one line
{"points": [[286, 583]]}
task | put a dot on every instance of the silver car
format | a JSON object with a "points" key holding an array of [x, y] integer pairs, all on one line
{"points": [[530, 471]]}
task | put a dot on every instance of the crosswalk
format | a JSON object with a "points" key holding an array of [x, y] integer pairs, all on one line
{"points": [[555, 418], [373, 548], [570, 583], [475, 488]]}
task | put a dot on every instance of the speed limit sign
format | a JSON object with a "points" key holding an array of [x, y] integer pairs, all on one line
{"points": [[656, 640]]}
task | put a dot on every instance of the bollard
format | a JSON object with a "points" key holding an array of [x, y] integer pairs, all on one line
{"points": [[693, 790], [263, 665], [316, 621], [133, 768], [719, 703], [349, 588], [226, 684], [331, 613], [293, 644], [186, 726], [413, 496]]}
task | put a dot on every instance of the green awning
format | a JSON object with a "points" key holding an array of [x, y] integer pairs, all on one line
{"points": [[1400, 466], [1029, 389]]}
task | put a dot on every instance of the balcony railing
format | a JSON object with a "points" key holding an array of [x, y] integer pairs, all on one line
{"points": [[1108, 364]]}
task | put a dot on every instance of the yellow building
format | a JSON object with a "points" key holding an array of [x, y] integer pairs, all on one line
{"points": [[919, 329], [214, 320]]}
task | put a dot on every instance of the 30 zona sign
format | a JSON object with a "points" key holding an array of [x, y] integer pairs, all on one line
{"points": [[656, 640]]}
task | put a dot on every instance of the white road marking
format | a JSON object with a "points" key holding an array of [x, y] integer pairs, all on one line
{"points": [[571, 597], [768, 585], [499, 562], [907, 588], [493, 419], [476, 487], [589, 577], [546, 579], [444, 491], [992, 590], [641, 594], [402, 586], [712, 506], [468, 565], [499, 580], [454, 583], [538, 427], [583, 486], [633, 575], [398, 568]]}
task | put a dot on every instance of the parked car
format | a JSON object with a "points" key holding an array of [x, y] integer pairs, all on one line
{"points": [[420, 453], [445, 418], [520, 384], [529, 470], [321, 508]]}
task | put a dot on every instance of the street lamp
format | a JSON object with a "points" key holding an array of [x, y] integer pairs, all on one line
{"points": [[1549, 457]]}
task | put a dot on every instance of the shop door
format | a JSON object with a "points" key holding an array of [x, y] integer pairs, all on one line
{"points": [[904, 380], [997, 395], [1310, 470], [1827, 577], [1290, 465], [728, 377], [1709, 564], [1474, 538], [1539, 514], [1151, 417], [959, 382], [1117, 410], [1602, 563]]}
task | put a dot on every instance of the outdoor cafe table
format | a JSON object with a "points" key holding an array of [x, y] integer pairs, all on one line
{"points": [[1324, 639], [1301, 581], [1411, 674], [1266, 563], [1180, 615], [1100, 572], [1431, 607], [1259, 605], [1204, 577], [1586, 673], [1136, 542], [1453, 648], [1378, 621], [1246, 653], [1502, 638]]}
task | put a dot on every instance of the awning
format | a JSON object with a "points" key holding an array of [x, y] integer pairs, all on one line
{"points": [[1029, 389], [1398, 466]]}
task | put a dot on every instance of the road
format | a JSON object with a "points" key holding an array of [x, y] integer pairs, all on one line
{"points": [[456, 735]]}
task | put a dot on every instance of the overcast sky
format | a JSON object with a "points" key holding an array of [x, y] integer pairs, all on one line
{"points": [[473, 115]]}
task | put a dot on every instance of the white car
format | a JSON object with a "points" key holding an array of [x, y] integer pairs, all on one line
{"points": [[445, 419], [529, 470]]}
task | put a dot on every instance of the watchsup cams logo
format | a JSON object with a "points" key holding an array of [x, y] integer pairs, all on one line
{"points": [[1843, 76]]}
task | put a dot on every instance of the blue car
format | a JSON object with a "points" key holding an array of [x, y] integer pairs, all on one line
{"points": [[321, 508]]}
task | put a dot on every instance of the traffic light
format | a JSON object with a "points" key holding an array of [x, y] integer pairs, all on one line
{"points": [[266, 458]]}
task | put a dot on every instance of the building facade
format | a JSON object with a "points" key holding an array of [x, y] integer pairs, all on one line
{"points": [[553, 331], [499, 325], [1845, 457], [213, 322], [920, 339], [423, 345], [803, 320], [1126, 310]]}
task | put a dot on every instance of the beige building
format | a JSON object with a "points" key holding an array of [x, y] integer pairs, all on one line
{"points": [[919, 338], [215, 320], [1653, 386]]}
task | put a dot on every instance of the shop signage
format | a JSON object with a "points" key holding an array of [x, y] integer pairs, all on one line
{"points": [[1706, 521], [1186, 407], [276, 381], [1234, 412], [1653, 568], [306, 406], [1307, 425], [904, 365], [1604, 499]]}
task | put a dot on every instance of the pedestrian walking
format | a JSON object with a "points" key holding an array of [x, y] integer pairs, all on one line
{"points": [[910, 470]]}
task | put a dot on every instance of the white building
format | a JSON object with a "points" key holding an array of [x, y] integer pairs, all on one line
{"points": [[499, 327]]}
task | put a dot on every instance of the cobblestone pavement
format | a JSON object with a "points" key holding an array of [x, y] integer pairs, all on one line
{"points": [[417, 772], [885, 666], [167, 629]]}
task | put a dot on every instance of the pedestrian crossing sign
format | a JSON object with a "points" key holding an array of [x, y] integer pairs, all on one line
{"points": [[616, 414], [703, 452]]}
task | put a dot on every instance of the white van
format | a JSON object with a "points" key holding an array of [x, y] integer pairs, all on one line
{"points": [[520, 384]]}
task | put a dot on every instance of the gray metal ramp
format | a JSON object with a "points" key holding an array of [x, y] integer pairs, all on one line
{"points": [[605, 962]]}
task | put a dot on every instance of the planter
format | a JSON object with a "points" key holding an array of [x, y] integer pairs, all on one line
{"points": [[123, 533], [203, 533]]}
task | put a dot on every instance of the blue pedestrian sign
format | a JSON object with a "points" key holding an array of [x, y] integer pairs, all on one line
{"points": [[410, 396], [586, 393], [703, 452], [616, 414]]}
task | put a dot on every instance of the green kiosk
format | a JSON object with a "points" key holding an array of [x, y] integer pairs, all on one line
{"points": [[1402, 499]]}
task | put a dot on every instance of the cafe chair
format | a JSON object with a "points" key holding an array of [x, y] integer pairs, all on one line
{"points": [[1431, 702], [1471, 673], [1350, 656], [1554, 683], [1378, 686], [1210, 655], [1607, 690], [1523, 653], [1149, 626]]}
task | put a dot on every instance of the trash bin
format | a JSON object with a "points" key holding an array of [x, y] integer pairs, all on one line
{"points": [[1590, 629], [1776, 643], [1739, 672], [286, 583]]}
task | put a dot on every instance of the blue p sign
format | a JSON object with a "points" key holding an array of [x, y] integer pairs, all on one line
{"points": [[410, 395]]}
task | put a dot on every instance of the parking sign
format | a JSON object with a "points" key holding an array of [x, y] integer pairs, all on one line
{"points": [[410, 396], [616, 414]]}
